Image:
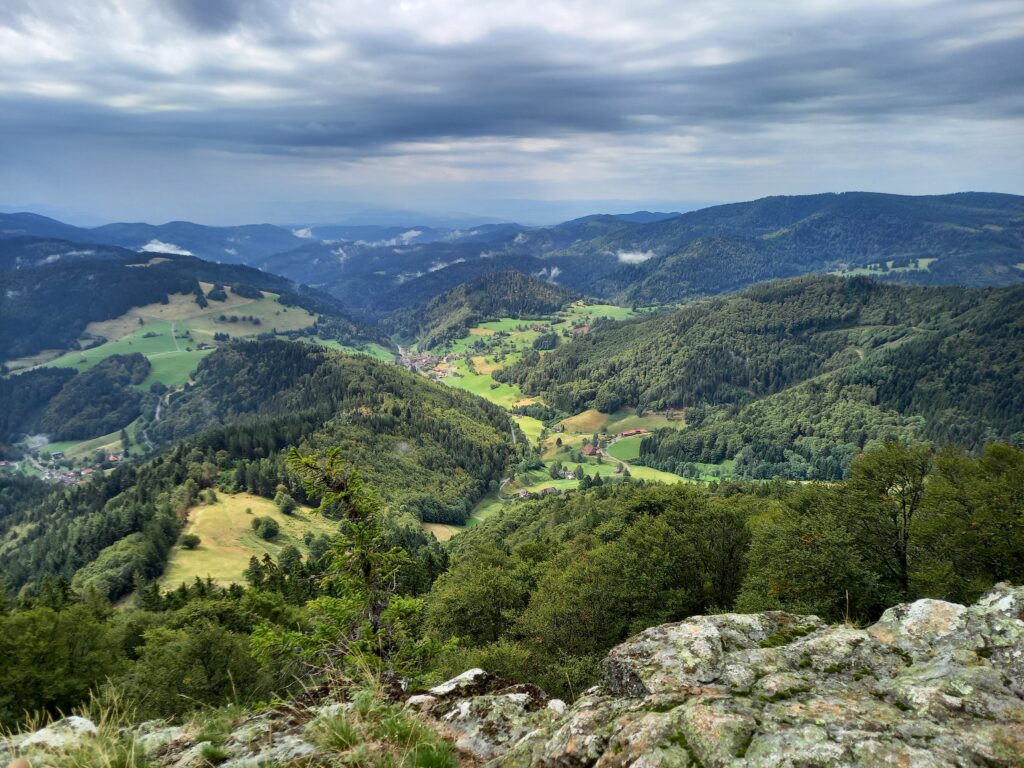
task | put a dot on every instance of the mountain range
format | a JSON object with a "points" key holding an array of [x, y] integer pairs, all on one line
{"points": [[966, 238]]}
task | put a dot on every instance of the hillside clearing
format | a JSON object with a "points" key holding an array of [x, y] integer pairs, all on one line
{"points": [[228, 540], [177, 335]]}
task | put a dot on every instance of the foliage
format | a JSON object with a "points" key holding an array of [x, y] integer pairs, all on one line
{"points": [[542, 591], [98, 401], [492, 296], [791, 379]]}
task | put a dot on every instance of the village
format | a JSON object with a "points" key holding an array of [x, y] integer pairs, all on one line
{"points": [[57, 468]]}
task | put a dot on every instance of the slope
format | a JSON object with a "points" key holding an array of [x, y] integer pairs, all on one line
{"points": [[490, 297], [793, 377], [429, 451]]}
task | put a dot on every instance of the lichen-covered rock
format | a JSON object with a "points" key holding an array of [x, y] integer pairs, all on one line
{"points": [[470, 682], [687, 656], [59, 734], [931, 684]]}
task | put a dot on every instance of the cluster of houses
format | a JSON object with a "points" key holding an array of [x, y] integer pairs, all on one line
{"points": [[525, 494], [68, 476], [432, 366]]}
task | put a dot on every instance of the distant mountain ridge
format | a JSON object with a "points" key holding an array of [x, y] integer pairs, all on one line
{"points": [[969, 238]]}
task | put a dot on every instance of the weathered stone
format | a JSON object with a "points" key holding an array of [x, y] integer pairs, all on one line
{"points": [[489, 725], [931, 684], [690, 655], [715, 732], [60, 734], [421, 703], [470, 682]]}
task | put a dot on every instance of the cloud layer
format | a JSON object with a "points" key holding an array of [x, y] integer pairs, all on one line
{"points": [[210, 108]]}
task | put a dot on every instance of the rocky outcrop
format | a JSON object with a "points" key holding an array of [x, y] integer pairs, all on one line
{"points": [[931, 684]]}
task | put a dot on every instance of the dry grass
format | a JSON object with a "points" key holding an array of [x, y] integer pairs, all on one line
{"points": [[31, 361], [441, 531], [589, 421], [228, 540], [482, 331], [483, 367]]}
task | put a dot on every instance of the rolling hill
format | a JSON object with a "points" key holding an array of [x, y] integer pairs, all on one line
{"points": [[490, 297], [428, 450], [974, 239], [791, 378]]}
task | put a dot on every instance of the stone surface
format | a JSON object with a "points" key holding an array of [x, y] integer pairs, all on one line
{"points": [[931, 684], [59, 734]]}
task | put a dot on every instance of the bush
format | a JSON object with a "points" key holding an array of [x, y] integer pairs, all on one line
{"points": [[190, 541], [266, 527]]}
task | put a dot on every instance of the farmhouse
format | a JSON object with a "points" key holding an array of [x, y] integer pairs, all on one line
{"points": [[632, 432], [591, 450]]}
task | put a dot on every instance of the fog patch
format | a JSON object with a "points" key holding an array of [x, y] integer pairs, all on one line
{"points": [[635, 257], [158, 246], [548, 274]]}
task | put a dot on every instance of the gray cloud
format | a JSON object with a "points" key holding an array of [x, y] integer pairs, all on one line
{"points": [[504, 97], [211, 16]]}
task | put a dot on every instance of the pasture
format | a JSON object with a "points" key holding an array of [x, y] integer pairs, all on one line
{"points": [[228, 540], [170, 335]]}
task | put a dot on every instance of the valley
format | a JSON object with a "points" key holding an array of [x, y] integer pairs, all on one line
{"points": [[557, 444], [530, 473], [511, 385]]}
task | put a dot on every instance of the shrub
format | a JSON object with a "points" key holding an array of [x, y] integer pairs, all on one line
{"points": [[266, 527]]}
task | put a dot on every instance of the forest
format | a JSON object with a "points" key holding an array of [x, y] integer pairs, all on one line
{"points": [[53, 289], [499, 294], [431, 451], [792, 378], [537, 594]]}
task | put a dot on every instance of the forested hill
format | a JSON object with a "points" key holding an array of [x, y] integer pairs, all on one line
{"points": [[429, 451], [54, 288], [791, 378], [974, 239], [495, 295], [432, 448]]}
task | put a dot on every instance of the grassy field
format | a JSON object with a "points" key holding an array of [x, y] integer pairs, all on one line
{"points": [[228, 540], [591, 421], [530, 426], [78, 449], [170, 335], [374, 350], [442, 532], [626, 449], [494, 345], [504, 395]]}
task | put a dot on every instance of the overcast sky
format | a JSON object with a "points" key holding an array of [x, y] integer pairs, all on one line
{"points": [[225, 111]]}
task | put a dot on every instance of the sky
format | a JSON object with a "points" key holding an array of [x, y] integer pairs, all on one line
{"points": [[232, 111]]}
